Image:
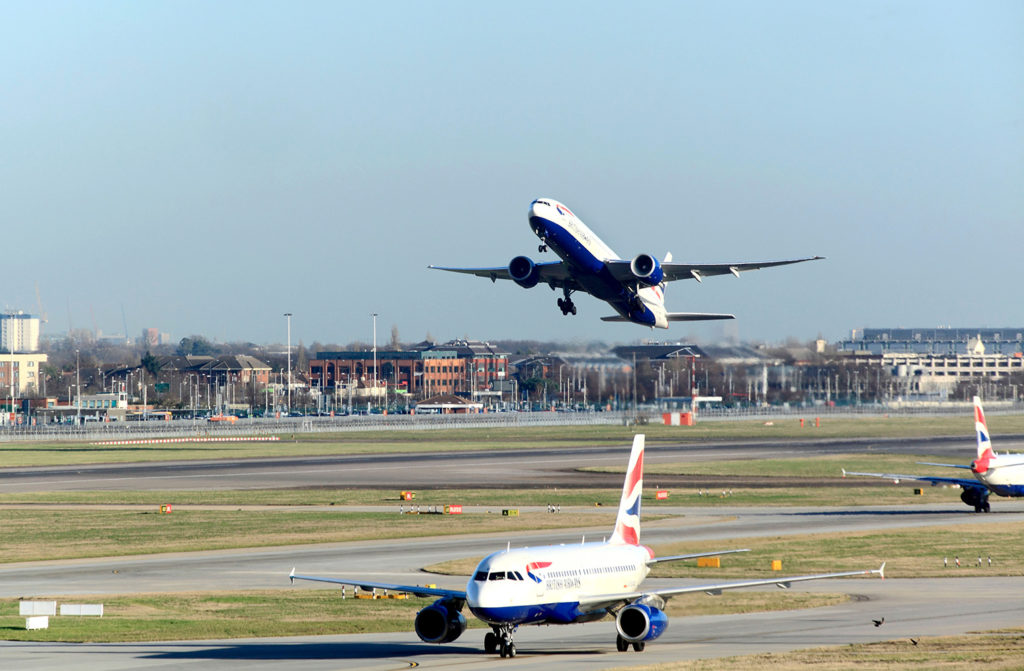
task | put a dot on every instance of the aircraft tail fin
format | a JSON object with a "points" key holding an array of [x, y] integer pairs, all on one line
{"points": [[985, 453], [627, 524]]}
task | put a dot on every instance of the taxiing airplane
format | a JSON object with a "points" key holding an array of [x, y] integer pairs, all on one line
{"points": [[565, 584], [635, 289], [1000, 474]]}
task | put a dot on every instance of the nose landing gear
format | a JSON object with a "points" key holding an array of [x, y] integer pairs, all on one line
{"points": [[500, 641]]}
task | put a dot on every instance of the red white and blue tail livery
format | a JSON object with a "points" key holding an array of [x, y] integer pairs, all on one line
{"points": [[1000, 474], [627, 524], [635, 288], [566, 584]]}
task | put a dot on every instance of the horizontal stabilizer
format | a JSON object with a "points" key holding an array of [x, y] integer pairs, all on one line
{"points": [[679, 317], [696, 316]]}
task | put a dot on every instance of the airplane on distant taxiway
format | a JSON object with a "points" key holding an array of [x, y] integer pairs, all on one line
{"points": [[1001, 474]]}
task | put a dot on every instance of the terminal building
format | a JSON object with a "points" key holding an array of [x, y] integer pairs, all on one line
{"points": [[940, 341], [929, 364]]}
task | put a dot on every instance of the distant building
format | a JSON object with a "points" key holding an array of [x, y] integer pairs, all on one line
{"points": [[19, 332], [150, 337], [939, 341], [454, 367], [24, 369]]}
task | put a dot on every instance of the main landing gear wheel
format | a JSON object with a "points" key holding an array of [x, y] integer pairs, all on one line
{"points": [[508, 650], [621, 644], [490, 643], [639, 646], [565, 304], [542, 248]]}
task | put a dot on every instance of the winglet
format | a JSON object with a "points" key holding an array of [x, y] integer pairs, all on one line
{"points": [[881, 571], [291, 576]]}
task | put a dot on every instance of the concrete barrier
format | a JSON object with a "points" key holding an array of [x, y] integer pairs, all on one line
{"points": [[28, 608], [94, 609], [37, 622]]}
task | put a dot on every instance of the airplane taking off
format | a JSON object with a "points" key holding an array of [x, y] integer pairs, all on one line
{"points": [[1001, 474], [565, 584], [635, 289]]}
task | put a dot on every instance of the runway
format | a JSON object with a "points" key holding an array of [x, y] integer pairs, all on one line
{"points": [[507, 468], [912, 608]]}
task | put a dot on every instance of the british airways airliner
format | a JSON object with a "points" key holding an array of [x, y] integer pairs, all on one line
{"points": [[1000, 474], [565, 584], [635, 289]]}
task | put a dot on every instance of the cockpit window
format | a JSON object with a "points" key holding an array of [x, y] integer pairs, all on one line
{"points": [[519, 576], [480, 575], [497, 575]]}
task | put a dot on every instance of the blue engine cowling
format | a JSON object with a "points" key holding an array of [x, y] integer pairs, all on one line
{"points": [[524, 271], [440, 622], [640, 622], [647, 270]]}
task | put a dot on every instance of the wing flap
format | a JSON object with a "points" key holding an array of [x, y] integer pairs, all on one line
{"points": [[698, 271], [933, 479]]}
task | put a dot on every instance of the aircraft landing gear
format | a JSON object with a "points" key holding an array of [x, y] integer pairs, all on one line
{"points": [[500, 640], [542, 247], [622, 645], [565, 304]]}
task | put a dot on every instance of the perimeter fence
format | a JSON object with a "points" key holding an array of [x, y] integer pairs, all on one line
{"points": [[285, 426]]}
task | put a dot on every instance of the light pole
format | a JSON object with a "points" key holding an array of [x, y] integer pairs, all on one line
{"points": [[78, 388], [288, 409], [374, 315]]}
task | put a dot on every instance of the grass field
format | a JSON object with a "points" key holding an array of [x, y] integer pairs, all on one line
{"points": [[303, 612], [992, 651], [873, 492], [825, 466], [35, 535], [379, 442]]}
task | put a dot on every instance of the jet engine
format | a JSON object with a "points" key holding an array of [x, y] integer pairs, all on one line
{"points": [[640, 622], [440, 622], [647, 270], [524, 271]]}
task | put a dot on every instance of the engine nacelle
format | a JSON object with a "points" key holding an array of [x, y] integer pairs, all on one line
{"points": [[524, 271], [440, 622], [640, 622], [647, 270], [974, 496]]}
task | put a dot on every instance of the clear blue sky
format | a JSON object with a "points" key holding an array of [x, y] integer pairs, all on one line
{"points": [[210, 166]]}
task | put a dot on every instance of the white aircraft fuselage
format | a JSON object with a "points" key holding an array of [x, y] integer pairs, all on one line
{"points": [[587, 256], [546, 585]]}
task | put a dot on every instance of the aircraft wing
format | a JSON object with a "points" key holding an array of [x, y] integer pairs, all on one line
{"points": [[554, 273], [934, 479], [698, 271], [932, 463], [613, 600], [415, 590]]}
